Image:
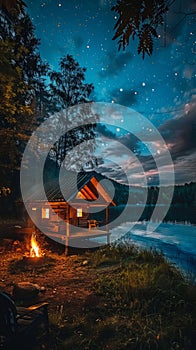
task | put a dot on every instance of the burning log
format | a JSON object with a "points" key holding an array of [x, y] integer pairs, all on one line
{"points": [[35, 254], [34, 247]]}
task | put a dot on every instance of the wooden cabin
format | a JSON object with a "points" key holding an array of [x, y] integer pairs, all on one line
{"points": [[73, 214]]}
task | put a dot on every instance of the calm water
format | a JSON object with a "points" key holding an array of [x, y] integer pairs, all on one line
{"points": [[177, 242]]}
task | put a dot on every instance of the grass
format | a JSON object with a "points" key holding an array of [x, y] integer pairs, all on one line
{"points": [[142, 302]]}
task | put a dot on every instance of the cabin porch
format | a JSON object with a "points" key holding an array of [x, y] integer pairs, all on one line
{"points": [[79, 238]]}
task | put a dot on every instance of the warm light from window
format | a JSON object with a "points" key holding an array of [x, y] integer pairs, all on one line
{"points": [[79, 212], [80, 195], [45, 213], [34, 209]]}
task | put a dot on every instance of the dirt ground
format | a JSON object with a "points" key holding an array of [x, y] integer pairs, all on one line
{"points": [[65, 282]]}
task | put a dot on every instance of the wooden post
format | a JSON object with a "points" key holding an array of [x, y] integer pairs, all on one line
{"points": [[67, 232], [107, 221]]}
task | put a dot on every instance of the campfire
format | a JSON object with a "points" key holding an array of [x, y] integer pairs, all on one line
{"points": [[35, 251]]}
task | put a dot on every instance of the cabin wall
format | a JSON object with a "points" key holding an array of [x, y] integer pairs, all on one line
{"points": [[79, 221], [53, 214], [53, 217]]}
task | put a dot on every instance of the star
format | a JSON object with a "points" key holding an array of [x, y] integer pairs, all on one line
{"points": [[84, 30]]}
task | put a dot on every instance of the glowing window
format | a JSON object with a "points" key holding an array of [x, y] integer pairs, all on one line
{"points": [[45, 213], [34, 209], [79, 212]]}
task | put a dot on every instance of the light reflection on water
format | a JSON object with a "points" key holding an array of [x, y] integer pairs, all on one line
{"points": [[177, 242]]}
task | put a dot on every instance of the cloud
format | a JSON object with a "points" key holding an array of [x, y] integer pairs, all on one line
{"points": [[116, 151], [104, 131], [185, 168], [176, 20], [127, 97], [124, 173], [180, 133], [180, 136], [130, 141], [188, 72], [123, 146], [115, 63]]}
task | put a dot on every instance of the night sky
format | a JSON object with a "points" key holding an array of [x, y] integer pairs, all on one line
{"points": [[160, 87]]}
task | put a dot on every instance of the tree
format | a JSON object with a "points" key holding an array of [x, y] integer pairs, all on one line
{"points": [[13, 110], [21, 71], [9, 12], [68, 85], [30, 62], [139, 19], [68, 89]]}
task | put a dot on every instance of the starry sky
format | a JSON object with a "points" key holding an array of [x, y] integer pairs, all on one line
{"points": [[160, 87]]}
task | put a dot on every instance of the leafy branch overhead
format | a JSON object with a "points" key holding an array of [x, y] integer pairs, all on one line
{"points": [[139, 19], [13, 6]]}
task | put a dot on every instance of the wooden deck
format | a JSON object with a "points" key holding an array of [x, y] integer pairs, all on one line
{"points": [[94, 233], [79, 238]]}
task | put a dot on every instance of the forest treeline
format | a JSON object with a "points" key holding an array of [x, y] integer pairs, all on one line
{"points": [[182, 194], [182, 206], [31, 91]]}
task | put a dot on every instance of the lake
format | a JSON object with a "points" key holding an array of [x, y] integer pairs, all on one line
{"points": [[177, 242]]}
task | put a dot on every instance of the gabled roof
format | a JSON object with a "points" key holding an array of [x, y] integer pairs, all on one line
{"points": [[87, 183]]}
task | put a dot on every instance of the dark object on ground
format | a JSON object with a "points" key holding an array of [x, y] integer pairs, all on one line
{"points": [[23, 291], [20, 326]]}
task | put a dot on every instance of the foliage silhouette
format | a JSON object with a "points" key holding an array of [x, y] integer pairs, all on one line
{"points": [[139, 19]]}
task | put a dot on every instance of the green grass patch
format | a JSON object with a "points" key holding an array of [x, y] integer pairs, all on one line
{"points": [[143, 304]]}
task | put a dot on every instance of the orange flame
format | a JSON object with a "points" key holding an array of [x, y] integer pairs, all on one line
{"points": [[34, 249]]}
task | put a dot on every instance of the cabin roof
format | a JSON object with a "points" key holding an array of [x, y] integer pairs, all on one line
{"points": [[87, 183]]}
